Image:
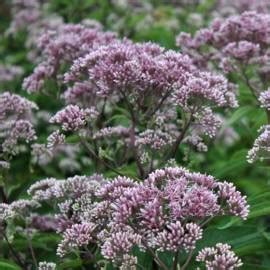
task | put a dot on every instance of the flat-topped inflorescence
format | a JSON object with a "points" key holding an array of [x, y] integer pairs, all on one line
{"points": [[165, 100], [163, 213]]}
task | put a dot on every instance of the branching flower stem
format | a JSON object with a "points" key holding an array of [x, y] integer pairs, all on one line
{"points": [[14, 252]]}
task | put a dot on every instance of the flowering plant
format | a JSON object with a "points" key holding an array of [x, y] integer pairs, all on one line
{"points": [[112, 149], [239, 46]]}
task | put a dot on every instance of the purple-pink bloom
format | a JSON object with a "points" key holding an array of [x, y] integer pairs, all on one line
{"points": [[72, 117], [220, 257]]}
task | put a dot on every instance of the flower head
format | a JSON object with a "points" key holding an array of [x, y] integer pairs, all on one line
{"points": [[219, 257]]}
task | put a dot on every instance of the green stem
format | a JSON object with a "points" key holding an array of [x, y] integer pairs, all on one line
{"points": [[14, 253], [29, 240], [95, 156], [159, 262], [132, 136], [175, 262], [3, 195], [180, 138], [185, 265]]}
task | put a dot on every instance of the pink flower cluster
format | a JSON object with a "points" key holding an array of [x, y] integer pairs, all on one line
{"points": [[231, 7], [213, 88], [131, 104], [219, 257], [18, 209], [24, 13], [233, 43], [144, 81], [46, 266], [16, 126], [265, 99], [158, 209], [14, 104], [239, 45], [118, 245], [81, 93], [108, 132], [154, 215], [72, 188], [78, 235], [187, 194], [72, 117], [60, 47], [9, 73], [261, 146], [145, 70], [33, 17]]}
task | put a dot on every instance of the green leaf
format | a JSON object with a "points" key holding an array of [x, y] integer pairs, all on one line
{"points": [[6, 265], [236, 163], [128, 170], [205, 6], [70, 264], [119, 119], [251, 266], [238, 114], [259, 205], [245, 240], [227, 222]]}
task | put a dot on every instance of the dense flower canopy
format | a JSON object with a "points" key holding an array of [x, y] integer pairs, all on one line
{"points": [[113, 138], [163, 213]]}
